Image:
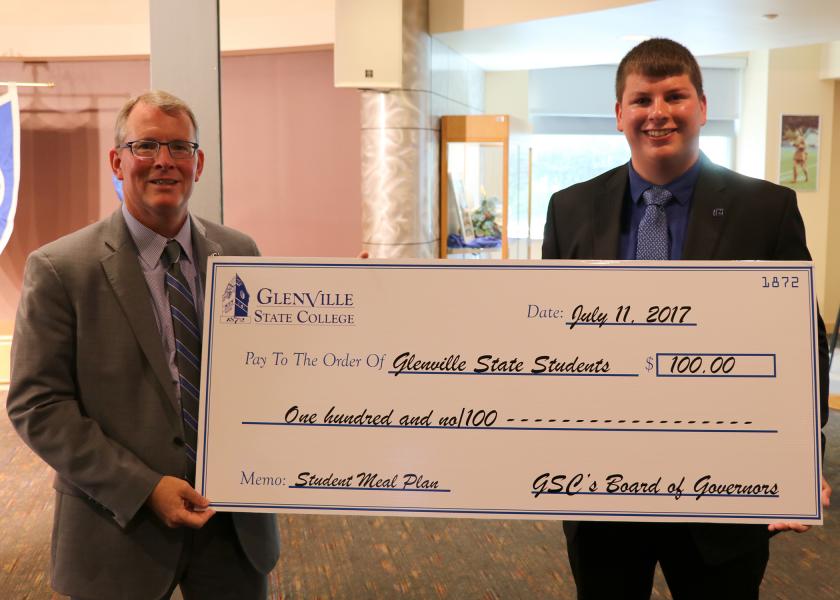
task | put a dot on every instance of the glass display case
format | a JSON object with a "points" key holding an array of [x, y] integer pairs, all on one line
{"points": [[474, 186]]}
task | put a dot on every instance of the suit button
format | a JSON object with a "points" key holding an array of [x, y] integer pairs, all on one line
{"points": [[178, 441]]}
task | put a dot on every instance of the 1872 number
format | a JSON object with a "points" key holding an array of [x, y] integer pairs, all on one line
{"points": [[780, 282]]}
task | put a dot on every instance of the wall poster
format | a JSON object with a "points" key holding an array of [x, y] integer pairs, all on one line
{"points": [[799, 152]]}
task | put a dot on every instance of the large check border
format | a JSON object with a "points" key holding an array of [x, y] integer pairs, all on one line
{"points": [[207, 359]]}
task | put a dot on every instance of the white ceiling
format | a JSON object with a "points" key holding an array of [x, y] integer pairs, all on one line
{"points": [[707, 27]]}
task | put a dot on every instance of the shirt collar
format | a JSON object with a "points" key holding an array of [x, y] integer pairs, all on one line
{"points": [[150, 244], [682, 188]]}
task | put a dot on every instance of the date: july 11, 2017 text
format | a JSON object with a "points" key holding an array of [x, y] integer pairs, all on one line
{"points": [[580, 315]]}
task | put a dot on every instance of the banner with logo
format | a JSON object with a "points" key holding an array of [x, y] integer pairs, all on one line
{"points": [[9, 162], [630, 391]]}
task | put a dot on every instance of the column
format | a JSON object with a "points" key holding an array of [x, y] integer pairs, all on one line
{"points": [[400, 145], [185, 62]]}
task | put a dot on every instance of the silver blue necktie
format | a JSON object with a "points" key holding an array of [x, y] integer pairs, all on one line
{"points": [[652, 240]]}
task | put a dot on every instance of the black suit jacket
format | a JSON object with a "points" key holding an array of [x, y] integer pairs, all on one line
{"points": [[758, 221]]}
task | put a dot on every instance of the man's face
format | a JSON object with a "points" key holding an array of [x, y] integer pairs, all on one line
{"points": [[156, 190], [661, 119]]}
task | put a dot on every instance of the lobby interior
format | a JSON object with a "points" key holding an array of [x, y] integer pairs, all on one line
{"points": [[297, 168]]}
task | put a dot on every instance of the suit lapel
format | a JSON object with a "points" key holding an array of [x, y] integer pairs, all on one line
{"points": [[607, 215], [123, 272], [203, 247], [709, 207]]}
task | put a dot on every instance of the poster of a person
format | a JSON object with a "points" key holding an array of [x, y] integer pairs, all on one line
{"points": [[799, 152]]}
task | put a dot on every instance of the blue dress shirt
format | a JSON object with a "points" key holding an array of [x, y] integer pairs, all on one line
{"points": [[677, 211]]}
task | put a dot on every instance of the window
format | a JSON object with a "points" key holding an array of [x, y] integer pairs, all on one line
{"points": [[559, 161]]}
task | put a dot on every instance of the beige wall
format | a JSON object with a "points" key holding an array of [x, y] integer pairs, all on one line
{"points": [[507, 94], [832, 280], [752, 128], [291, 155], [775, 82], [794, 87], [788, 81], [830, 67]]}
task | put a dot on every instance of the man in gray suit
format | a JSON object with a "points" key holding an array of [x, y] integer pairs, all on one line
{"points": [[97, 393]]}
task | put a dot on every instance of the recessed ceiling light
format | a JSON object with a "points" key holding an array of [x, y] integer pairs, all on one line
{"points": [[635, 38]]}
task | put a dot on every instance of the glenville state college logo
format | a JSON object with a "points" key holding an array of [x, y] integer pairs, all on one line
{"points": [[271, 306], [235, 302]]}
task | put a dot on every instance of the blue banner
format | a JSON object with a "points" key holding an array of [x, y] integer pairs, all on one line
{"points": [[9, 162]]}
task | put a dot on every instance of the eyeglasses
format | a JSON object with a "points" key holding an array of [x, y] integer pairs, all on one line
{"points": [[178, 149]]}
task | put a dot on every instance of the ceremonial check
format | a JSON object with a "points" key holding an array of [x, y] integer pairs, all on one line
{"points": [[632, 391]]}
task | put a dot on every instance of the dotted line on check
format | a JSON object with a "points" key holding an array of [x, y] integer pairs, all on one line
{"points": [[632, 421]]}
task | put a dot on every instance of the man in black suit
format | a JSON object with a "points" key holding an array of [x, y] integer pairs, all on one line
{"points": [[711, 213]]}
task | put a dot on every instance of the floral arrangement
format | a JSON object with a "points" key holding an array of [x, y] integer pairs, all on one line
{"points": [[484, 218]]}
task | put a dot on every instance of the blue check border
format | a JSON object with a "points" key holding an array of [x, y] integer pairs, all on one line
{"points": [[219, 263]]}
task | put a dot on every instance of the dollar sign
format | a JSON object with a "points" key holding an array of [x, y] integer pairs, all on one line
{"points": [[649, 366]]}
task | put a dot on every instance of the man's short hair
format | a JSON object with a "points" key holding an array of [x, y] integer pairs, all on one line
{"points": [[658, 58], [168, 103]]}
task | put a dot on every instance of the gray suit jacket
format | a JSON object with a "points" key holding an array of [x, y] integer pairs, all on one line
{"points": [[733, 217], [92, 395]]}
